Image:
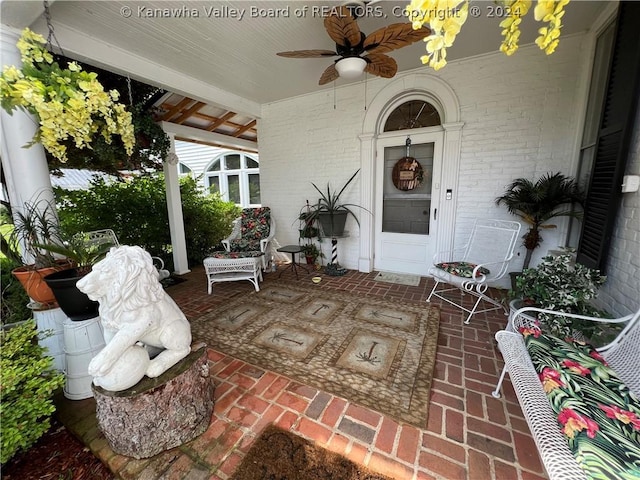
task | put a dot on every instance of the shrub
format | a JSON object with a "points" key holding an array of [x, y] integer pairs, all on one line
{"points": [[558, 283], [136, 210], [26, 388], [14, 298]]}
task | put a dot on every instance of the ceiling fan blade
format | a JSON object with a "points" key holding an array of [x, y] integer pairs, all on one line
{"points": [[307, 54], [393, 37], [381, 65], [342, 28], [329, 75]]}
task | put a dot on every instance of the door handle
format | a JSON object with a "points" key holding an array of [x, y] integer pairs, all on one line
{"points": [[435, 213]]}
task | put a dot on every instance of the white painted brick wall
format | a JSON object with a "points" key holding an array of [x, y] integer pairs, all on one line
{"points": [[521, 118]]}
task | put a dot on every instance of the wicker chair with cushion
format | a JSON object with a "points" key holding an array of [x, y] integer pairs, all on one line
{"points": [[484, 259], [252, 231]]}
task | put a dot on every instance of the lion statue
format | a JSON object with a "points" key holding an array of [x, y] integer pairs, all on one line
{"points": [[138, 317]]}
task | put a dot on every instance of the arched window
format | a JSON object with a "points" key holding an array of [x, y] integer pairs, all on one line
{"points": [[412, 114], [236, 176], [184, 169]]}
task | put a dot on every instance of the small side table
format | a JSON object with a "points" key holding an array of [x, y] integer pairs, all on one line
{"points": [[292, 249]]}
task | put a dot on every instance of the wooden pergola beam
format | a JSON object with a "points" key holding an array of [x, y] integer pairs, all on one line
{"points": [[189, 112], [173, 109], [243, 129], [220, 121]]}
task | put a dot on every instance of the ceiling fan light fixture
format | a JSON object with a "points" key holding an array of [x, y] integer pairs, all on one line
{"points": [[351, 67]]}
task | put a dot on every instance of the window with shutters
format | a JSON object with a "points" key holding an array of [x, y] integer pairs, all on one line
{"points": [[605, 149]]}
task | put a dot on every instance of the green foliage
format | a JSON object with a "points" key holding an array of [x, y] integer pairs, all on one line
{"points": [[312, 251], [559, 284], [207, 220], [136, 210], [70, 104], [81, 251], [151, 142], [14, 298], [35, 225], [28, 382]]}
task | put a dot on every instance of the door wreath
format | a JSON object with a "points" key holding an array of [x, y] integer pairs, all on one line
{"points": [[407, 174]]}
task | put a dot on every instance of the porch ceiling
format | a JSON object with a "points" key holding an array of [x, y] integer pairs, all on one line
{"points": [[233, 57]]}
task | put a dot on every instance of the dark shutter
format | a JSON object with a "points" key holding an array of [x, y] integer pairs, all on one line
{"points": [[614, 138]]}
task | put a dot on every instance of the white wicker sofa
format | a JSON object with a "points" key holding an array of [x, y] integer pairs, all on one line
{"points": [[622, 355]]}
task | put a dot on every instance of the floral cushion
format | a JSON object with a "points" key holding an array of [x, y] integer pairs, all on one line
{"points": [[225, 254], [462, 269], [255, 224], [597, 413]]}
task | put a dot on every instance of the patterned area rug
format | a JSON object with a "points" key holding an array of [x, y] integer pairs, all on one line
{"points": [[279, 454], [399, 278], [378, 353]]}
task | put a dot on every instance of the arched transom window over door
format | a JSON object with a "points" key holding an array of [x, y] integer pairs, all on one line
{"points": [[412, 114], [236, 177]]}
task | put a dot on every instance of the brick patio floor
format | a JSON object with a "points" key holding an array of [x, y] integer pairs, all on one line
{"points": [[470, 434]]}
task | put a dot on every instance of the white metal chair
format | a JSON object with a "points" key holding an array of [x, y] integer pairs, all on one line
{"points": [[108, 236], [484, 259], [622, 355]]}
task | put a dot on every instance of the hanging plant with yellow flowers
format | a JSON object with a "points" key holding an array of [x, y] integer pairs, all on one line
{"points": [[446, 17], [69, 103]]}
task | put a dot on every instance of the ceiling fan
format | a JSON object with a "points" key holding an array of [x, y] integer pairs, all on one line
{"points": [[359, 52]]}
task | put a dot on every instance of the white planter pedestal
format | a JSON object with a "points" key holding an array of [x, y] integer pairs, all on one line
{"points": [[83, 340]]}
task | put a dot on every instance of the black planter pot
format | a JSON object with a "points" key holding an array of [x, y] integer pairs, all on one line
{"points": [[333, 223], [74, 303]]}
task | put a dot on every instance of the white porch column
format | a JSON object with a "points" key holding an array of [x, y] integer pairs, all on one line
{"points": [[26, 169], [174, 208], [367, 176]]}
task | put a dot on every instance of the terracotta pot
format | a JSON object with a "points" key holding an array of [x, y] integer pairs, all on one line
{"points": [[35, 286]]}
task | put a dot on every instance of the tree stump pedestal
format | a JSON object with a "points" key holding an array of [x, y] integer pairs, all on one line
{"points": [[158, 414]]}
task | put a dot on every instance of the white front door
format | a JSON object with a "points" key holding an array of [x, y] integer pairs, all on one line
{"points": [[406, 212]]}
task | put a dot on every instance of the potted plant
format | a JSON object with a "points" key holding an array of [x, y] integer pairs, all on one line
{"points": [[311, 253], [69, 103], [560, 284], [307, 224], [330, 212], [536, 203], [36, 224], [82, 253]]}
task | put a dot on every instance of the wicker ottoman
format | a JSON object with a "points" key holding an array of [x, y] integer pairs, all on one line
{"points": [[231, 266]]}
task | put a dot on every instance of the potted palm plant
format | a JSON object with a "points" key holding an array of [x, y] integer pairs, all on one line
{"points": [[536, 203], [330, 212]]}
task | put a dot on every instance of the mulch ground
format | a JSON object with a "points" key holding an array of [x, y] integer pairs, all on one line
{"points": [[57, 455]]}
